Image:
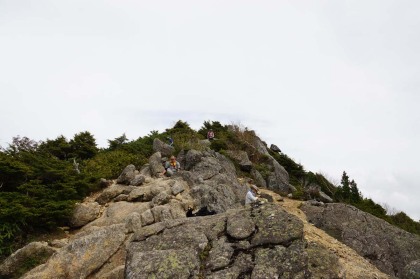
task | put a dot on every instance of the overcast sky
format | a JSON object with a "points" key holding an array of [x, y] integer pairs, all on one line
{"points": [[335, 84]]}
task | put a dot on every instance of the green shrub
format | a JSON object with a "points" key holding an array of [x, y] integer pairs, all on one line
{"points": [[110, 164], [218, 145]]}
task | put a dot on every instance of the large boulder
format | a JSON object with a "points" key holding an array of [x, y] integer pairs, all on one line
{"points": [[127, 175], [278, 180], [165, 149], [389, 248], [313, 191], [117, 213], [258, 178], [274, 148], [37, 252], [83, 256], [213, 182], [138, 180], [412, 270], [155, 164], [227, 245], [113, 191], [84, 213], [241, 158]]}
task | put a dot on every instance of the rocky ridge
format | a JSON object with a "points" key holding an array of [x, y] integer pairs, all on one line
{"points": [[136, 228]]}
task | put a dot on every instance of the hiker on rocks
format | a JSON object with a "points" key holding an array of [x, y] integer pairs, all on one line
{"points": [[210, 135], [171, 167], [251, 196], [170, 141]]}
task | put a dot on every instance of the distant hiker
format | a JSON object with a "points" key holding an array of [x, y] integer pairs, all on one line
{"points": [[251, 196], [171, 167], [170, 141], [210, 135]]}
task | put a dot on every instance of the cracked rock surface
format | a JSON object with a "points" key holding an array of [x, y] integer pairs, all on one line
{"points": [[263, 242]]}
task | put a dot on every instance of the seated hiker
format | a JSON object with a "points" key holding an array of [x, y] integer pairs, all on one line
{"points": [[171, 167], [251, 196], [210, 135]]}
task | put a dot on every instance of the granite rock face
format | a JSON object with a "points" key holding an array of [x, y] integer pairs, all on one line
{"points": [[84, 213], [127, 175], [241, 158], [389, 248], [165, 149], [264, 242], [13, 263], [83, 256]]}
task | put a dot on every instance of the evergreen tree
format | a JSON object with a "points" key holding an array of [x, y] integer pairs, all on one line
{"points": [[355, 195], [117, 142], [83, 146], [59, 147], [345, 186]]}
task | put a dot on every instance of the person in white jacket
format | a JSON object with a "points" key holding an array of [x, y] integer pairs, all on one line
{"points": [[251, 196]]}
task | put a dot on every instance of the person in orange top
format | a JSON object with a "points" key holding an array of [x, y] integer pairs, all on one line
{"points": [[171, 167]]}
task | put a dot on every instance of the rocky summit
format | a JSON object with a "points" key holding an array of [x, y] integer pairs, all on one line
{"points": [[136, 227]]}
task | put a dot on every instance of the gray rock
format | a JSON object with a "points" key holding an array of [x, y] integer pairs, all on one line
{"points": [[155, 164], [240, 225], [137, 180], [275, 148], [133, 222], [59, 243], [205, 143], [84, 213], [258, 178], [412, 270], [313, 191], [325, 198], [201, 247], [220, 254], [111, 192], [278, 181], [164, 149], [241, 157], [192, 158], [127, 175], [34, 251], [389, 248], [147, 218], [323, 263], [162, 213], [143, 194], [82, 256], [260, 146], [161, 198], [214, 182], [268, 221], [178, 187], [273, 263], [165, 264], [118, 213], [122, 197], [117, 273], [103, 183], [145, 171]]}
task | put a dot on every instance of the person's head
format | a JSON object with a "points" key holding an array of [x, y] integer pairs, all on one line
{"points": [[173, 159], [253, 190]]}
